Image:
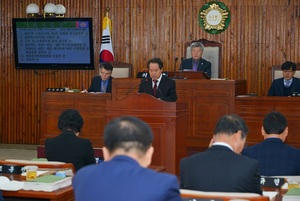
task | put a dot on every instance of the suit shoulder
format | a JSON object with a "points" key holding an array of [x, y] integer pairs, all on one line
{"points": [[97, 77], [204, 61], [187, 60], [248, 160], [83, 140]]}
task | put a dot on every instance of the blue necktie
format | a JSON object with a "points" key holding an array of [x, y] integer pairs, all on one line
{"points": [[103, 86], [287, 83], [195, 65]]}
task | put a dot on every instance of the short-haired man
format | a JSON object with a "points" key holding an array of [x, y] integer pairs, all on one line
{"points": [[123, 175], [221, 167], [196, 63], [68, 147], [288, 84], [158, 85], [275, 157], [102, 82]]}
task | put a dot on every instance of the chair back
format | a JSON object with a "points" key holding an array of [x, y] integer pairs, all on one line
{"points": [[224, 196], [277, 72], [212, 53]]}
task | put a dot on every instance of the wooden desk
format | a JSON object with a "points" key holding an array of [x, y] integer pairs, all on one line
{"points": [[63, 194], [253, 110], [207, 101], [92, 107]]}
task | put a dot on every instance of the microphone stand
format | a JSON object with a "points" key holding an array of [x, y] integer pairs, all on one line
{"points": [[181, 72]]}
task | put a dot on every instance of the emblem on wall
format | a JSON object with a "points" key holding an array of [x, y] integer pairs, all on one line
{"points": [[214, 17]]}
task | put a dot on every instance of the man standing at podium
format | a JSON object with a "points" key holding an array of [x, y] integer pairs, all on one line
{"points": [[103, 82], [158, 85], [196, 63]]}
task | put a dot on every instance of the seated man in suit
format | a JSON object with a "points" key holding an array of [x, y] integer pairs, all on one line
{"points": [[123, 176], [196, 63], [68, 147], [102, 82], [158, 85], [275, 157], [221, 167], [288, 84]]}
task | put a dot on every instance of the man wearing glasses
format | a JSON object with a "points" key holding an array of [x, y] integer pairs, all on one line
{"points": [[288, 85]]}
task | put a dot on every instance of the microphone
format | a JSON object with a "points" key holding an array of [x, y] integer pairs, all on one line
{"points": [[181, 69], [137, 86], [175, 74]]}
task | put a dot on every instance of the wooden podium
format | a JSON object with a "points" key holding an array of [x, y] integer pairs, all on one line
{"points": [[168, 120], [207, 101]]}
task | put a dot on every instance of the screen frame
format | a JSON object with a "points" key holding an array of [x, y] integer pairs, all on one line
{"points": [[54, 66]]}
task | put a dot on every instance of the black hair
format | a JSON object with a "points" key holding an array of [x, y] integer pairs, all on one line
{"points": [[274, 123], [288, 65], [155, 61], [70, 119], [230, 124], [128, 133], [106, 66]]}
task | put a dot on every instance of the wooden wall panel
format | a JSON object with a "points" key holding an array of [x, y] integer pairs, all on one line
{"points": [[262, 33]]}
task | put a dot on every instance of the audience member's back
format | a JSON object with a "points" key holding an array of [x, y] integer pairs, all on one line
{"points": [[68, 147], [275, 157], [123, 175], [221, 167]]}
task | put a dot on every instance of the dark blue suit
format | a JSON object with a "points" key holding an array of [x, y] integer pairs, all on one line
{"points": [[123, 179], [275, 157], [96, 85], [278, 89], [166, 89], [220, 169], [203, 65]]}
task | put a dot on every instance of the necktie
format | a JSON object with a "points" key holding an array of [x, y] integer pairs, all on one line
{"points": [[154, 87], [103, 86], [195, 65], [287, 83]]}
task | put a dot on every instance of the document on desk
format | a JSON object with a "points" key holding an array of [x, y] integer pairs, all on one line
{"points": [[270, 194], [47, 183], [7, 185]]}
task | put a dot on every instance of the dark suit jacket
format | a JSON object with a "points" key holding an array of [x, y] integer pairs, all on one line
{"points": [[122, 178], [203, 65], [220, 169], [96, 85], [275, 157], [166, 89], [277, 87], [69, 148]]}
